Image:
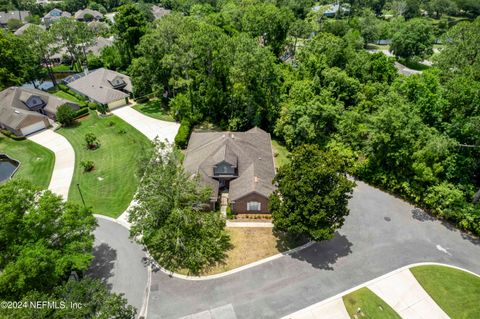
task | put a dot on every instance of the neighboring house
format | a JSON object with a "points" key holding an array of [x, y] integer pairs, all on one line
{"points": [[54, 15], [105, 87], [24, 27], [240, 163], [24, 111], [99, 45], [88, 15], [159, 12], [18, 15], [330, 10]]}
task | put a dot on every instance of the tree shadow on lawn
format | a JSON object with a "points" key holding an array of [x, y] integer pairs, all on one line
{"points": [[103, 262], [324, 255], [153, 107]]}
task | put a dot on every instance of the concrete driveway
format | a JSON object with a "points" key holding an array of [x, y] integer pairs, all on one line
{"points": [[64, 160], [382, 233], [147, 125], [119, 262]]}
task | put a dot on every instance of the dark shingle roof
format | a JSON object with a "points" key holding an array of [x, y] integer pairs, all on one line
{"points": [[250, 152]]}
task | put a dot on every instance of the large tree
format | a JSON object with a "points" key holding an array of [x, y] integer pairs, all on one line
{"points": [[414, 39], [312, 194], [91, 295], [42, 239], [130, 25], [169, 217]]}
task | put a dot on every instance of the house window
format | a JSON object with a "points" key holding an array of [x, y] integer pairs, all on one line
{"points": [[254, 206]]}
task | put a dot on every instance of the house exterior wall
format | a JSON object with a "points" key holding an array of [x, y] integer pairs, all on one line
{"points": [[240, 205], [115, 104]]}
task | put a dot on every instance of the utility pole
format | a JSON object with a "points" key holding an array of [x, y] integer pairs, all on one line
{"points": [[81, 195]]}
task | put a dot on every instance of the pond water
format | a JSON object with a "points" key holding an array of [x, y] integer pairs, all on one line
{"points": [[47, 83], [7, 167]]}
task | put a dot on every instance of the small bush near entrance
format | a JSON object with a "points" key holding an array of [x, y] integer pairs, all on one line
{"points": [[102, 108], [87, 166], [66, 115], [92, 141], [92, 105]]}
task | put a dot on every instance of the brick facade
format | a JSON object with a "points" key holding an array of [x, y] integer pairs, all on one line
{"points": [[240, 205]]}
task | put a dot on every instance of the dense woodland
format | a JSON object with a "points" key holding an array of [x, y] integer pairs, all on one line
{"points": [[308, 79]]}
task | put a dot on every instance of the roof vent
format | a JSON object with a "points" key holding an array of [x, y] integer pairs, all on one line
{"points": [[17, 112], [255, 179]]}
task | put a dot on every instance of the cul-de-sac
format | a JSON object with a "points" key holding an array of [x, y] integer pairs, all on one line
{"points": [[239, 159]]}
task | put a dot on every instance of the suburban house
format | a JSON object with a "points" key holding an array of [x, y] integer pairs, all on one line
{"points": [[88, 15], [54, 15], [239, 164], [159, 12], [24, 111], [331, 10], [10, 15], [20, 31], [105, 87]]}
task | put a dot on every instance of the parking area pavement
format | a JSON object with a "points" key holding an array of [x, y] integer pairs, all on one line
{"points": [[147, 125]]}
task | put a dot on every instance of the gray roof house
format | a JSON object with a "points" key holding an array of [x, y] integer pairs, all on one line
{"points": [[24, 111], [159, 12], [7, 16], [54, 15], [20, 31], [238, 162], [80, 15], [105, 87]]}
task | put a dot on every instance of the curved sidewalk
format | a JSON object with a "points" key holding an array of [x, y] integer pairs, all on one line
{"points": [[147, 125], [399, 289], [64, 160]]}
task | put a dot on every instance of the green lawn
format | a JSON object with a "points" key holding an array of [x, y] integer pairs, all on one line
{"points": [[154, 109], [455, 291], [414, 65], [110, 187], [69, 97], [281, 153], [36, 161], [371, 306]]}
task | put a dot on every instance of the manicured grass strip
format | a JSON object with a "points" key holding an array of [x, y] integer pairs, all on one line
{"points": [[455, 291], [371, 306], [66, 96], [110, 187], [281, 154], [36, 161], [154, 109]]}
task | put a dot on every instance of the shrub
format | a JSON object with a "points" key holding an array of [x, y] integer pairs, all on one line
{"points": [[181, 139], [102, 108], [87, 165], [9, 134], [66, 115], [81, 112], [111, 123], [92, 105], [143, 99], [122, 131], [230, 214], [92, 141], [63, 87]]}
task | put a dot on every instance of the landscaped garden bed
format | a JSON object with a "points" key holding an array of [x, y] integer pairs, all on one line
{"points": [[110, 186], [250, 245], [36, 161]]}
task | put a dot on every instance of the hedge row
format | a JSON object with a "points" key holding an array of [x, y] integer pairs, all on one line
{"points": [[81, 112], [11, 135], [181, 139]]}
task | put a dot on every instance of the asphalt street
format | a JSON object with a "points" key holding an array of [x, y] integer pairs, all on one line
{"points": [[119, 262], [381, 234]]}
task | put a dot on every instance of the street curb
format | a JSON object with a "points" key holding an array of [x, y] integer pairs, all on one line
{"points": [[233, 271], [370, 282]]}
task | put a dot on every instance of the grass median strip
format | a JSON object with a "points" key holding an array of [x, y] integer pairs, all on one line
{"points": [[110, 186], [363, 303], [455, 291]]}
